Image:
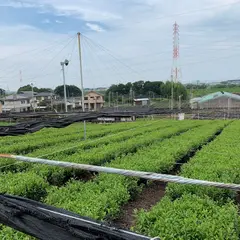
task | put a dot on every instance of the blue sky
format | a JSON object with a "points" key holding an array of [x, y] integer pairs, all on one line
{"points": [[136, 35]]}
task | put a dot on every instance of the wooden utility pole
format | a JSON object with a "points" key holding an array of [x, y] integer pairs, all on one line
{"points": [[109, 99], [81, 77]]}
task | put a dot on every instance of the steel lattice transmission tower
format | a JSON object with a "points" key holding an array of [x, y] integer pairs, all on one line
{"points": [[176, 71]]}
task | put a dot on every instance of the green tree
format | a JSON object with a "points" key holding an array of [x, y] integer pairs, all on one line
{"points": [[154, 87], [44, 90], [27, 88], [35, 89], [138, 87], [178, 90], [72, 91], [2, 92]]}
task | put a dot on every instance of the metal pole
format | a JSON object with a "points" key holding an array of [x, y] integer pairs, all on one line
{"points": [[180, 102], [117, 101], [228, 107], [32, 98], [109, 99], [52, 100], [64, 86], [172, 94], [81, 77]]}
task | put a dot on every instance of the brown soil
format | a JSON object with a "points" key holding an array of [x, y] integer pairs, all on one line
{"points": [[238, 198], [149, 197]]}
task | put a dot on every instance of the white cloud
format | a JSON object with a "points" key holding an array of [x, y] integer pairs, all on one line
{"points": [[58, 21], [95, 27], [46, 21], [17, 4], [139, 34]]}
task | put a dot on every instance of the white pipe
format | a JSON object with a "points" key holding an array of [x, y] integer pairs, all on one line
{"points": [[129, 173]]}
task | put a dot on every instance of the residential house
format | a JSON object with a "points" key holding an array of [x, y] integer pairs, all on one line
{"points": [[17, 103], [45, 100], [45, 96], [26, 101], [93, 101]]}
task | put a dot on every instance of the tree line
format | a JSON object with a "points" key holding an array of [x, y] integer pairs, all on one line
{"points": [[148, 89], [139, 89], [72, 90]]}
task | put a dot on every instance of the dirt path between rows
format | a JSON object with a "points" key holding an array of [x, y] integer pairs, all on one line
{"points": [[149, 197], [153, 193]]}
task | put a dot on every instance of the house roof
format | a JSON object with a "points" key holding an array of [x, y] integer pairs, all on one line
{"points": [[44, 94], [16, 97], [195, 100], [93, 92], [217, 95], [27, 93]]}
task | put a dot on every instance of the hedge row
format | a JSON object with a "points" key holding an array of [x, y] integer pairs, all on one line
{"points": [[103, 197], [195, 212]]}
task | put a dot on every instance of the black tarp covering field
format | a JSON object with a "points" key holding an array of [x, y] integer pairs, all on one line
{"points": [[45, 222], [36, 125], [46, 120]]}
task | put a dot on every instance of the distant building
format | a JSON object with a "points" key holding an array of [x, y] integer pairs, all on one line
{"points": [[16, 103], [112, 119], [141, 102], [45, 96], [93, 101], [235, 82], [217, 100], [26, 101]]}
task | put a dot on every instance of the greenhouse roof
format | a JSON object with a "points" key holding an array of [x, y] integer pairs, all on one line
{"points": [[217, 95]]}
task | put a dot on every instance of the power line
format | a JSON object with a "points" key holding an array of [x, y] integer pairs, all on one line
{"points": [[108, 66], [33, 50], [114, 57], [53, 58], [23, 66], [71, 55]]}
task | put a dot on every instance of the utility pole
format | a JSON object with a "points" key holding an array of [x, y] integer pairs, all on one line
{"points": [[52, 100], [172, 93], [117, 101], [130, 96], [32, 98], [180, 102], [63, 64], [81, 77], [109, 99]]}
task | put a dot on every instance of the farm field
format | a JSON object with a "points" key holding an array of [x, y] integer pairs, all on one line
{"points": [[205, 150]]}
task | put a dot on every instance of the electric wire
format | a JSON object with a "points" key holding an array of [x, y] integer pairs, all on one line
{"points": [[46, 66], [35, 49], [108, 66], [114, 57], [70, 57], [150, 69], [40, 51]]}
